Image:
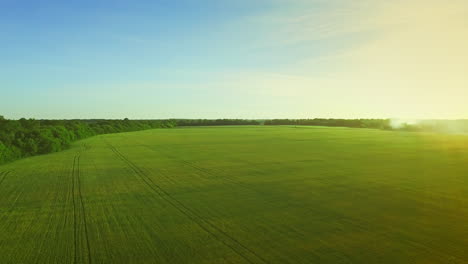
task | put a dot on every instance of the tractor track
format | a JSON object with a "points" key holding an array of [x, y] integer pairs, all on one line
{"points": [[85, 222], [77, 193], [210, 172], [3, 175], [75, 229], [193, 216]]}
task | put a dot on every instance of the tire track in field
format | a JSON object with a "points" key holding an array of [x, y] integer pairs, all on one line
{"points": [[3, 175], [213, 173], [76, 192], [412, 242], [210, 172], [85, 222], [193, 216], [75, 229], [233, 182]]}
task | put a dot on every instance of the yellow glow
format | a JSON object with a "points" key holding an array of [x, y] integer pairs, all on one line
{"points": [[420, 62], [416, 67]]}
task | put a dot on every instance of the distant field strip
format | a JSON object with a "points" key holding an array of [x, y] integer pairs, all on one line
{"points": [[250, 194]]}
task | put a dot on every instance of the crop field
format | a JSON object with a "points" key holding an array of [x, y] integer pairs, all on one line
{"points": [[254, 194]]}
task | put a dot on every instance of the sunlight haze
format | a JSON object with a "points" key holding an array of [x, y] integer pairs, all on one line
{"points": [[234, 59]]}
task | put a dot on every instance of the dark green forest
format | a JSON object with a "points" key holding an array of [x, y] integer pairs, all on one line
{"points": [[28, 137]]}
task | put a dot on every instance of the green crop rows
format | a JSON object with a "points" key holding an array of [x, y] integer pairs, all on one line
{"points": [[240, 195]]}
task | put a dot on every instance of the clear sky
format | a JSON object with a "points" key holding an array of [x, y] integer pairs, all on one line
{"points": [[234, 58]]}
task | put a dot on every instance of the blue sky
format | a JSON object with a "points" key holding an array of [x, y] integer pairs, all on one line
{"points": [[225, 59]]}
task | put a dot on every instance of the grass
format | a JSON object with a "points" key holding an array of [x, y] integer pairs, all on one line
{"points": [[240, 195]]}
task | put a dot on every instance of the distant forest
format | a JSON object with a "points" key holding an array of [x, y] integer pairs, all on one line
{"points": [[215, 122], [28, 137], [356, 123]]}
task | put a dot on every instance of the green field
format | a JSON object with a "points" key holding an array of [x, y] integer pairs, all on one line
{"points": [[240, 195]]}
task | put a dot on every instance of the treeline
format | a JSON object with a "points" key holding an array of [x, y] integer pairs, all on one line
{"points": [[354, 123], [215, 122], [28, 137]]}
